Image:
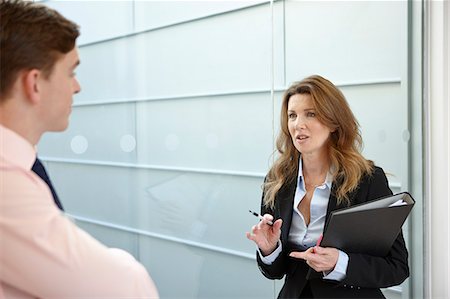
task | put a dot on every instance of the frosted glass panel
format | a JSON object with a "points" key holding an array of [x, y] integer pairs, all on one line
{"points": [[230, 52], [211, 209], [102, 193], [100, 132], [345, 40], [98, 20], [220, 133], [153, 14], [377, 109], [113, 237], [206, 208], [201, 273], [110, 70]]}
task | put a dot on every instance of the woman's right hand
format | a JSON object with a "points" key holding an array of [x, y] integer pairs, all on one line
{"points": [[266, 236]]}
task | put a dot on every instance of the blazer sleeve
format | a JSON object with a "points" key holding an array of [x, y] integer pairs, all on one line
{"points": [[378, 272], [278, 268]]}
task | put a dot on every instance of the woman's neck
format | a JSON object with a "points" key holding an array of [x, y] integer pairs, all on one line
{"points": [[315, 166]]}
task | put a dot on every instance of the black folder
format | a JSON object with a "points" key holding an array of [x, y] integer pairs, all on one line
{"points": [[369, 228]]}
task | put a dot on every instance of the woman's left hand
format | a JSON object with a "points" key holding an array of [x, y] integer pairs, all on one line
{"points": [[321, 259]]}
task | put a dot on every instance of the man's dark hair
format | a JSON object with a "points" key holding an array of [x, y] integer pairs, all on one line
{"points": [[32, 36]]}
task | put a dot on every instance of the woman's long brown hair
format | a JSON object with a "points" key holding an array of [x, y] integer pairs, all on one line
{"points": [[333, 111]]}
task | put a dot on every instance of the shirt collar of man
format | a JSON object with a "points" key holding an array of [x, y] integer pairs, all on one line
{"points": [[15, 149], [328, 179]]}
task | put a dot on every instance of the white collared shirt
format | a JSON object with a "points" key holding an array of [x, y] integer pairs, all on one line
{"points": [[303, 235], [306, 236]]}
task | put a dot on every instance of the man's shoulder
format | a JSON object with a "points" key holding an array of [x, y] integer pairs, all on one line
{"points": [[15, 181]]}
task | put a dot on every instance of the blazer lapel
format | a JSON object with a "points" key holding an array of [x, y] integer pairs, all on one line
{"points": [[285, 208], [332, 203]]}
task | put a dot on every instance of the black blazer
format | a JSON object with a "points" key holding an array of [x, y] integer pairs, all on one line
{"points": [[365, 274]]}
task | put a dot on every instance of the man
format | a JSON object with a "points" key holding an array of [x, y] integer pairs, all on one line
{"points": [[42, 253]]}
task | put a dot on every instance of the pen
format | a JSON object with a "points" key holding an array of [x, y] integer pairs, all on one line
{"points": [[318, 242], [260, 217]]}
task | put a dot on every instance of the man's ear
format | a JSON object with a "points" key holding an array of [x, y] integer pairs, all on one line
{"points": [[31, 80]]}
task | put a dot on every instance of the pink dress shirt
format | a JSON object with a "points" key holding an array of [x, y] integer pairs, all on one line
{"points": [[42, 253]]}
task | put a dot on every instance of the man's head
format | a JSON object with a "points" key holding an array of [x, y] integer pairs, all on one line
{"points": [[32, 36], [38, 56]]}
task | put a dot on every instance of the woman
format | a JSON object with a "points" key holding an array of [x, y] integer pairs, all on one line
{"points": [[320, 169]]}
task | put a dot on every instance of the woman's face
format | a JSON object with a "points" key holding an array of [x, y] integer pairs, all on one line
{"points": [[308, 134]]}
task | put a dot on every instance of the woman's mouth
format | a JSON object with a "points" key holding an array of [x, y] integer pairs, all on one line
{"points": [[301, 137]]}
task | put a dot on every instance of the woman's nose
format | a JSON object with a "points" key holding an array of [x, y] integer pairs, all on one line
{"points": [[300, 122]]}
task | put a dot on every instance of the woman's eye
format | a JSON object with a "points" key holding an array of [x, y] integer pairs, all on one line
{"points": [[291, 115], [311, 114]]}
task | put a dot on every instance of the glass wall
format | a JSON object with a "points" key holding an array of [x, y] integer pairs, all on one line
{"points": [[173, 131]]}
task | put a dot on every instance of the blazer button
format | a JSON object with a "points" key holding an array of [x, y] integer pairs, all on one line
{"points": [[351, 287], [359, 288], [345, 285]]}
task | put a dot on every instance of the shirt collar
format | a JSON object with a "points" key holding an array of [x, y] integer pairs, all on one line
{"points": [[328, 179], [15, 149]]}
